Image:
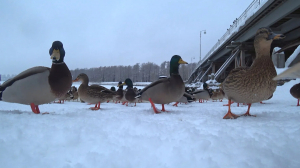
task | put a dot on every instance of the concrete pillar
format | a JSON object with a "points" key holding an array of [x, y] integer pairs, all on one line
{"points": [[237, 61], [213, 68], [242, 58]]}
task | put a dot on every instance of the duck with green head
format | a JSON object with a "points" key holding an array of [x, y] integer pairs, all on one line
{"points": [[165, 90], [130, 93]]}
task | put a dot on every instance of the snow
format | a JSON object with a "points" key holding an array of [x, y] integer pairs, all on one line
{"points": [[292, 57], [192, 135]]}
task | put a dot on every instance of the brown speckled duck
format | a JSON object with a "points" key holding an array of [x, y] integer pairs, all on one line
{"points": [[295, 92], [253, 84], [39, 85], [165, 90], [94, 94]]}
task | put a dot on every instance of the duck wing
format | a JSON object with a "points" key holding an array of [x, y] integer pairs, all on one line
{"points": [[24, 74], [151, 85], [291, 73]]}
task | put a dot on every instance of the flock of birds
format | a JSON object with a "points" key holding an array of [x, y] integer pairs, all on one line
{"points": [[41, 85]]}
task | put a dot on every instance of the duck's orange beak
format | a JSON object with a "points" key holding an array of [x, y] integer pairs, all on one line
{"points": [[75, 80]]}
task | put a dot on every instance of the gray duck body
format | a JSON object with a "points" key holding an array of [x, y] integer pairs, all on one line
{"points": [[39, 85], [164, 90]]}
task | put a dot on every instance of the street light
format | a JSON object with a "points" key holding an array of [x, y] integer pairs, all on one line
{"points": [[204, 31], [191, 67]]}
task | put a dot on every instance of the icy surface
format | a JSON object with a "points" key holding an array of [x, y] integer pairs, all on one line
{"points": [[192, 135]]}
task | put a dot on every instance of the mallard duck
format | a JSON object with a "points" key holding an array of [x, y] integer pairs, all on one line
{"points": [[186, 98], [67, 96], [253, 84], [295, 92], [39, 85], [130, 93], [74, 93], [203, 94], [120, 92], [165, 90], [94, 94]]}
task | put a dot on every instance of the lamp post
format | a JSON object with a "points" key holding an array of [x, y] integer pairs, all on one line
{"points": [[191, 65], [204, 31]]}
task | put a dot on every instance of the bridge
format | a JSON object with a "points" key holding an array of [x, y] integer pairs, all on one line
{"points": [[235, 48]]}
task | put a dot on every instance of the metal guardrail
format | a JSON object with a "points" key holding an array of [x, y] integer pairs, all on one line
{"points": [[204, 73], [226, 64], [251, 10]]}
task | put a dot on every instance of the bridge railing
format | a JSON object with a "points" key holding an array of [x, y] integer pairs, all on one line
{"points": [[237, 23]]}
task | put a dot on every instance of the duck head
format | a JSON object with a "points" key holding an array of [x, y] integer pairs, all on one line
{"points": [[120, 85], [176, 60], [57, 52], [128, 82], [264, 37], [83, 78]]}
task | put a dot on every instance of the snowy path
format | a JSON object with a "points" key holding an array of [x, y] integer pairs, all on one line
{"points": [[192, 135]]}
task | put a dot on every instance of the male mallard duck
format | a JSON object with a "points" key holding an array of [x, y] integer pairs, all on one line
{"points": [[130, 93], [295, 92], [203, 94], [186, 98], [94, 94], [165, 90], [39, 85], [253, 84]]}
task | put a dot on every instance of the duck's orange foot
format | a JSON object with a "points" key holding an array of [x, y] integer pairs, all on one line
{"points": [[175, 104], [262, 103], [230, 115], [248, 114], [94, 108]]}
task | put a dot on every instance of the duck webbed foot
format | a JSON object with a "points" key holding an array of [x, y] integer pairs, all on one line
{"points": [[229, 114], [175, 104], [97, 107], [248, 112]]}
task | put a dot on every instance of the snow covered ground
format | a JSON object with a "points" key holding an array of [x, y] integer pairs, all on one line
{"points": [[189, 136]]}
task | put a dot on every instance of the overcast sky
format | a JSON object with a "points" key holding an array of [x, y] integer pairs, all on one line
{"points": [[110, 32]]}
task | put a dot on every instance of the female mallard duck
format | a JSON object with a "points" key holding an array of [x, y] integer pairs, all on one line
{"points": [[253, 84], [165, 90], [120, 92], [39, 85], [130, 93], [295, 92], [94, 94]]}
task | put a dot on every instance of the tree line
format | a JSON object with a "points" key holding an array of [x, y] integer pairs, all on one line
{"points": [[145, 72]]}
